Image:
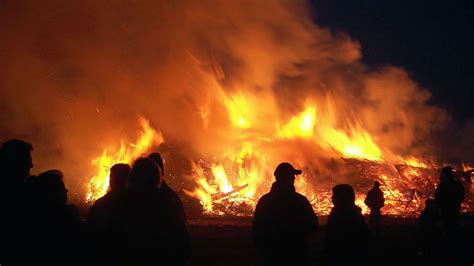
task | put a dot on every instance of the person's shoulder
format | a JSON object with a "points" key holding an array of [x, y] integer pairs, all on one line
{"points": [[73, 211], [102, 201], [168, 191], [357, 209], [265, 199], [301, 198], [358, 213], [266, 196], [98, 203]]}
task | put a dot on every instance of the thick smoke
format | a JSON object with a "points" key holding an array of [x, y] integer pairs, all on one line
{"points": [[76, 74]]}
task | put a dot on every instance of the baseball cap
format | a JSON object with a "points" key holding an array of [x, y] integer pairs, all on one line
{"points": [[286, 169]]}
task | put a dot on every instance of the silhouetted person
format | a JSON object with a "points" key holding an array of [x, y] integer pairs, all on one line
{"points": [[283, 220], [448, 198], [104, 217], [15, 162], [164, 188], [347, 232], [375, 201], [156, 230], [59, 224], [17, 217], [428, 229], [15, 165], [105, 210]]}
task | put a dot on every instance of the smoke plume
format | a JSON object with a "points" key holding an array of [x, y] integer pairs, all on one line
{"points": [[76, 74]]}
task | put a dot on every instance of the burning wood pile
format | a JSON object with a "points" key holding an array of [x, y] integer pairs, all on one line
{"points": [[233, 183]]}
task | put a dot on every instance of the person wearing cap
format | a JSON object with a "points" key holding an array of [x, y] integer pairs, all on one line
{"points": [[375, 201], [282, 221]]}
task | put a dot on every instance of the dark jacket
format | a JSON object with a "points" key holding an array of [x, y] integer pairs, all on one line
{"points": [[156, 229], [104, 224], [449, 195], [170, 193], [282, 221], [347, 236]]}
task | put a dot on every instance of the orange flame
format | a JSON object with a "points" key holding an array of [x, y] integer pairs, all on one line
{"points": [[99, 183], [236, 180]]}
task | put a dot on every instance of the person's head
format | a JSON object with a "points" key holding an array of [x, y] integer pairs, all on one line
{"points": [[447, 174], [15, 157], [285, 174], [52, 188], [159, 160], [343, 195], [429, 203], [119, 174], [376, 184], [145, 175]]}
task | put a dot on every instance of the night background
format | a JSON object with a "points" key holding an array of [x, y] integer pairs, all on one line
{"points": [[375, 95], [432, 40]]}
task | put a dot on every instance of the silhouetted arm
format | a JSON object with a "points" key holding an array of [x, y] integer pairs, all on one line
{"points": [[310, 217], [259, 226]]}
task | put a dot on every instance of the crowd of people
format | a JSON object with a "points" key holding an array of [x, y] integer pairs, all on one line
{"points": [[139, 220], [142, 220]]}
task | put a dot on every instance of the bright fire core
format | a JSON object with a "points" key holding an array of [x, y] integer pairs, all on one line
{"points": [[231, 183]]}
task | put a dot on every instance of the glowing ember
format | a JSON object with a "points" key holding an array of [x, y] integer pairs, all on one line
{"points": [[99, 183]]}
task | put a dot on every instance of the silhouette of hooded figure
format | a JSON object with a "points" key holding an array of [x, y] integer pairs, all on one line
{"points": [[347, 232], [282, 221], [17, 200], [165, 189], [156, 230], [375, 201], [58, 222], [448, 198], [103, 221]]}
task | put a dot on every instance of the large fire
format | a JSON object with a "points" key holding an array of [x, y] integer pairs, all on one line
{"points": [[236, 180], [232, 182], [241, 87]]}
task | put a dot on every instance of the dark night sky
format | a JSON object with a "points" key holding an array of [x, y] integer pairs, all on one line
{"points": [[432, 40]]}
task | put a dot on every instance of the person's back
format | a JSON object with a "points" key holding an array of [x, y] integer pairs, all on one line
{"points": [[449, 196], [429, 232], [282, 222], [156, 230], [375, 201], [428, 217], [103, 221], [58, 222], [166, 190], [106, 210], [347, 233], [17, 227]]}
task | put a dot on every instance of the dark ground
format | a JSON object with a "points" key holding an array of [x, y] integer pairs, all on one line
{"points": [[227, 241]]}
